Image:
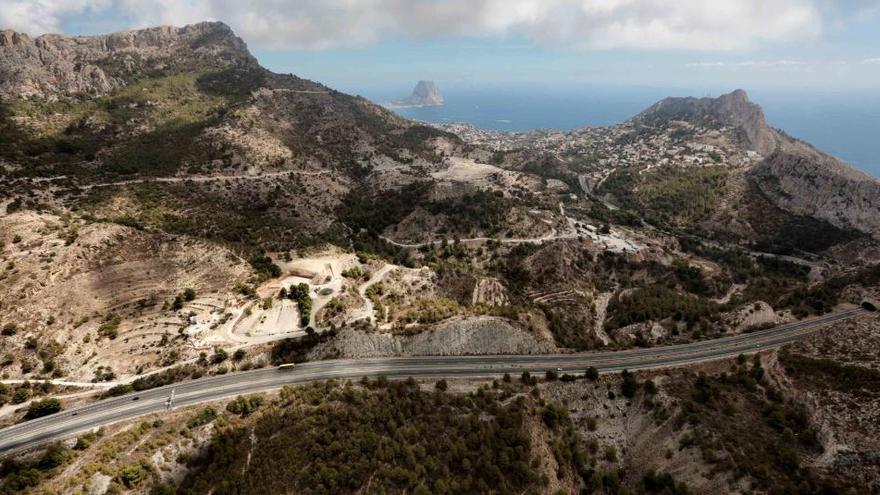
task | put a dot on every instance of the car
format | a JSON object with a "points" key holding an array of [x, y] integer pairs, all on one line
{"points": [[558, 369], [135, 398]]}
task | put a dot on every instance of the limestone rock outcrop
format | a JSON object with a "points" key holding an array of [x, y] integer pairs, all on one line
{"points": [[52, 66]]}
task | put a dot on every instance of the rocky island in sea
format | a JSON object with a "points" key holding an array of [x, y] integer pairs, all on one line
{"points": [[425, 94]]}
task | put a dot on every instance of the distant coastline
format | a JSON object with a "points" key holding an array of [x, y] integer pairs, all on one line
{"points": [[842, 125], [395, 105]]}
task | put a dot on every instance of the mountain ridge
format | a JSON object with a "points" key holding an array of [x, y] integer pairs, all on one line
{"points": [[169, 210], [794, 175], [734, 109], [53, 65]]}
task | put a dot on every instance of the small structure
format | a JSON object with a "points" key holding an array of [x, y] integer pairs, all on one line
{"points": [[870, 304]]}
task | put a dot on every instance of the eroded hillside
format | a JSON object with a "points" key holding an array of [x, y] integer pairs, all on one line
{"points": [[790, 421], [170, 209]]}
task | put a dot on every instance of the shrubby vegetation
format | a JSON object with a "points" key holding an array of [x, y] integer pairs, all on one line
{"points": [[295, 350], [848, 378], [391, 437], [244, 405], [742, 424], [669, 197], [40, 408], [300, 294], [175, 106], [480, 210], [19, 393], [655, 303], [18, 476], [264, 266], [203, 417], [110, 327], [160, 379]]}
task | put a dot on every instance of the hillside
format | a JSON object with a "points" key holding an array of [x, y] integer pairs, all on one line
{"points": [[186, 102], [169, 209], [177, 135], [791, 174]]}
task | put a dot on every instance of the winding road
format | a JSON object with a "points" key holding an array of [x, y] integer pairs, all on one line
{"points": [[105, 412]]}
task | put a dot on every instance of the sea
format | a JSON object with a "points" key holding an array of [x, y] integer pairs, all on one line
{"points": [[845, 124]]}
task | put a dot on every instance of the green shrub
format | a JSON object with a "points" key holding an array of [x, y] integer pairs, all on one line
{"points": [[204, 417], [219, 356], [43, 407], [110, 327], [629, 385], [591, 374], [244, 405]]}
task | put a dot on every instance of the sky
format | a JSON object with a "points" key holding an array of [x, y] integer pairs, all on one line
{"points": [[361, 45]]}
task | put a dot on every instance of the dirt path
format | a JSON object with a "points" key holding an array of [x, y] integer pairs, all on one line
{"points": [[601, 310], [734, 288], [553, 235], [367, 312], [208, 178], [613, 242], [203, 178], [62, 383]]}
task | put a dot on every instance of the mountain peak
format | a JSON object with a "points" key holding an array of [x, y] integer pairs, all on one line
{"points": [[426, 93], [732, 109]]}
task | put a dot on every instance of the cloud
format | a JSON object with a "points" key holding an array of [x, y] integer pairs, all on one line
{"points": [[45, 16], [720, 25], [750, 63], [780, 63]]}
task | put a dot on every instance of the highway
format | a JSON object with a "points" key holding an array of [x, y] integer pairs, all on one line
{"points": [[69, 422]]}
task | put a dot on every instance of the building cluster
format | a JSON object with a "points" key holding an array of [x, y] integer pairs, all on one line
{"points": [[599, 150]]}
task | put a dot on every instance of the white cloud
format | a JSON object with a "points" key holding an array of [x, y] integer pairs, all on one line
{"points": [[750, 63], [781, 63], [719, 25], [44, 16]]}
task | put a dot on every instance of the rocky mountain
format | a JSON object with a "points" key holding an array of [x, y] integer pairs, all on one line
{"points": [[51, 66], [733, 109], [425, 94], [807, 182], [192, 101], [793, 175]]}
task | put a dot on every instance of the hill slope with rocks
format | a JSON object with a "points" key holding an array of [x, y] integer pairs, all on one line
{"points": [[791, 174], [171, 209]]}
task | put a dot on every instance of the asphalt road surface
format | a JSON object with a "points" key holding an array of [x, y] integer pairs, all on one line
{"points": [[101, 413]]}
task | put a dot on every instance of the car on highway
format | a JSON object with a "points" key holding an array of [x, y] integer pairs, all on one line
{"points": [[286, 366]]}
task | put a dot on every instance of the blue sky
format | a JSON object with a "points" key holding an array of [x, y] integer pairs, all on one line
{"points": [[361, 45]]}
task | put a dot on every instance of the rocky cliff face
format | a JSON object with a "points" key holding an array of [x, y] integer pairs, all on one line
{"points": [[732, 110], [806, 182], [52, 65]]}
